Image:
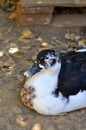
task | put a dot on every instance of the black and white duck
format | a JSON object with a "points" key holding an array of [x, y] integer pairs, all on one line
{"points": [[56, 82]]}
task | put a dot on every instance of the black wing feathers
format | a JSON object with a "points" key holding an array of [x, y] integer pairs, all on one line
{"points": [[72, 77]]}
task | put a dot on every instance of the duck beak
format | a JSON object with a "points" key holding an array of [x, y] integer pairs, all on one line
{"points": [[34, 69]]}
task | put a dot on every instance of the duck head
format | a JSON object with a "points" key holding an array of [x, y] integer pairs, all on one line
{"points": [[45, 60]]}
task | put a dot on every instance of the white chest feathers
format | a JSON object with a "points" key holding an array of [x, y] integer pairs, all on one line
{"points": [[43, 83], [45, 102]]}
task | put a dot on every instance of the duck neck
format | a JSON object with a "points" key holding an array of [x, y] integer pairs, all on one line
{"points": [[55, 69], [45, 81]]}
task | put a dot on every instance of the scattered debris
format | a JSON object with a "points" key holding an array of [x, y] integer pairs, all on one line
{"points": [[59, 42], [74, 41], [26, 35], [72, 36], [8, 67], [67, 36], [77, 38], [21, 121], [20, 77], [1, 53], [37, 127], [16, 57], [13, 15], [40, 39], [44, 44], [13, 50], [81, 43]]}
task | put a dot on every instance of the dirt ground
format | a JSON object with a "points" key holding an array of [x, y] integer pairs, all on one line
{"points": [[18, 48]]}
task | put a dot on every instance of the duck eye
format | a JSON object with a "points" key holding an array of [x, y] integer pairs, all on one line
{"points": [[53, 61], [47, 57]]}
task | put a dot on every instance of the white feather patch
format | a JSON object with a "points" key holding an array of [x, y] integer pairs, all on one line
{"points": [[81, 50]]}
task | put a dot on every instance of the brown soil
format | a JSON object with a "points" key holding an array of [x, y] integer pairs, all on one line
{"points": [[13, 114]]}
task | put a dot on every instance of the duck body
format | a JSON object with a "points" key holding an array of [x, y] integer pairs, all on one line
{"points": [[59, 84]]}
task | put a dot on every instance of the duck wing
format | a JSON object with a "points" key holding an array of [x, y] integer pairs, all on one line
{"points": [[72, 77]]}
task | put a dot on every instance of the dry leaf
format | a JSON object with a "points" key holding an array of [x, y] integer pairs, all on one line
{"points": [[77, 37], [81, 43], [20, 77], [27, 33], [58, 41], [8, 66], [6, 40], [36, 127], [44, 44], [72, 36], [40, 39], [19, 56], [13, 15], [1, 53], [21, 121], [84, 40], [13, 50], [22, 39], [26, 47], [13, 44], [67, 36]]}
